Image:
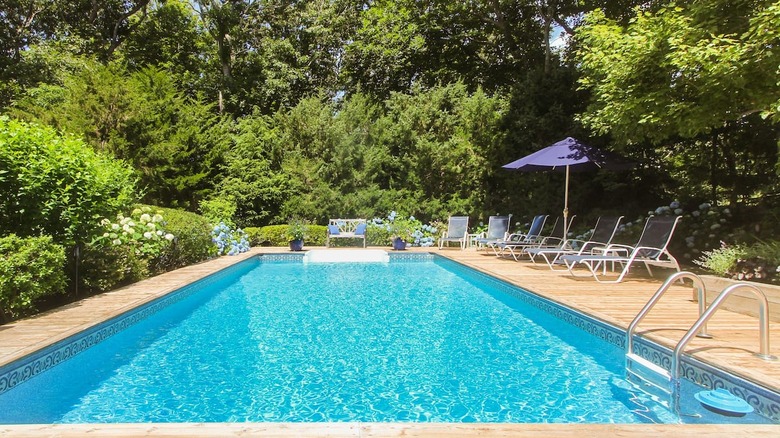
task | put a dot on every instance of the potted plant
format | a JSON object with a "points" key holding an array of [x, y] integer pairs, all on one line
{"points": [[296, 233], [402, 231]]}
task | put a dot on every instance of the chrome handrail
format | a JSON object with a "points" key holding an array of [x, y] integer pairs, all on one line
{"points": [[763, 321], [697, 282]]}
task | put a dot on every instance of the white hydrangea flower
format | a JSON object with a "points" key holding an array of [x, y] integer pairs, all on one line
{"points": [[169, 236], [148, 235], [145, 217]]}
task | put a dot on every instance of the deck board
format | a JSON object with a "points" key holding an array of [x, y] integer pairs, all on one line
{"points": [[736, 338]]}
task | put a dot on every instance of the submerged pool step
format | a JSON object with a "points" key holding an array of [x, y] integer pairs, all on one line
{"points": [[346, 256], [648, 374]]}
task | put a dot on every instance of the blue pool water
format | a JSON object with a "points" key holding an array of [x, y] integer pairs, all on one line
{"points": [[377, 342]]}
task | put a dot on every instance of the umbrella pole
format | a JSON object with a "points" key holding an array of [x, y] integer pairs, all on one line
{"points": [[566, 207]]}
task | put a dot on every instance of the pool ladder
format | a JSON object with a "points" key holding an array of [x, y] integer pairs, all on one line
{"points": [[657, 379]]}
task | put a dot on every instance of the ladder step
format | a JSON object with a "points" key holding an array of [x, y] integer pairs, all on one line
{"points": [[648, 373]]}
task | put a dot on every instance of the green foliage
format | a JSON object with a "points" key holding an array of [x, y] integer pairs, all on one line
{"points": [[175, 143], [182, 238], [757, 262], [56, 185], [721, 261], [359, 159], [126, 250], [681, 71], [269, 235], [276, 235], [143, 230], [104, 268], [253, 175], [193, 239], [30, 268], [297, 229], [219, 210]]}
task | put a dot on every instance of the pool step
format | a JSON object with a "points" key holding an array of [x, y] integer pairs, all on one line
{"points": [[651, 377], [346, 256]]}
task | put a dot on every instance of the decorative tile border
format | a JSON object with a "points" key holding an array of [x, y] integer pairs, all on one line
{"points": [[766, 402], [281, 257], [395, 256], [399, 256], [23, 369]]}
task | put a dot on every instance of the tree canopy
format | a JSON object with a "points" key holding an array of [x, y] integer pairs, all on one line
{"points": [[319, 108]]}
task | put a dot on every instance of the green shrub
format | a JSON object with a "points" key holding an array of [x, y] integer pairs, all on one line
{"points": [[276, 235], [270, 235], [756, 262], [721, 261], [30, 268], [192, 239], [103, 268], [219, 210], [253, 234], [57, 185]]}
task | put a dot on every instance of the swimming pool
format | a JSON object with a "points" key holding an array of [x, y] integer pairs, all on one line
{"points": [[286, 341]]}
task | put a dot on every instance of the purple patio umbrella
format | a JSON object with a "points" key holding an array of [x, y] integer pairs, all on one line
{"points": [[568, 155]]}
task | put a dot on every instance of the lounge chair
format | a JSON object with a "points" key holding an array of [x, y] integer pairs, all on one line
{"points": [[518, 239], [651, 249], [498, 230], [457, 231], [554, 240], [603, 232]]}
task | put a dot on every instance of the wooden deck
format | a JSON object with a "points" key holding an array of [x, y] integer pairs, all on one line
{"points": [[736, 337]]}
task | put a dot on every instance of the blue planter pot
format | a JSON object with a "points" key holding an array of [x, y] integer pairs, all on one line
{"points": [[399, 244], [296, 245]]}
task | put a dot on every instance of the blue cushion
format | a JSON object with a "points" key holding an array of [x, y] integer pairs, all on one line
{"points": [[360, 229], [333, 229]]}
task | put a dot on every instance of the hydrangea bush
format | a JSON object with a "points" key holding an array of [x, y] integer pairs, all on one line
{"points": [[126, 250], [229, 241], [410, 229], [143, 230], [701, 229]]}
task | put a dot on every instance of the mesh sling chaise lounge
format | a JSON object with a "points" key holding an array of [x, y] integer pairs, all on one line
{"points": [[498, 230], [651, 249], [603, 232], [518, 239], [553, 240], [457, 231]]}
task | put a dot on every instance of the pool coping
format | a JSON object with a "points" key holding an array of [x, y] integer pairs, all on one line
{"points": [[339, 429]]}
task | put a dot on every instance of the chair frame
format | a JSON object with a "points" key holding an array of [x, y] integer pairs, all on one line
{"points": [[520, 239], [448, 236], [601, 238], [644, 252], [491, 235]]}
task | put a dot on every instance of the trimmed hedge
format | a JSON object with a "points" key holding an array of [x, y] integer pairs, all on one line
{"points": [[30, 268], [276, 235]]}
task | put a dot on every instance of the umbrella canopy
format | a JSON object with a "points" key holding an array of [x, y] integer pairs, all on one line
{"points": [[568, 155]]}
